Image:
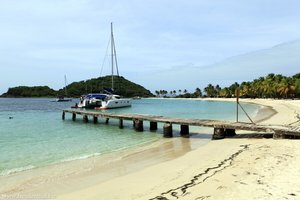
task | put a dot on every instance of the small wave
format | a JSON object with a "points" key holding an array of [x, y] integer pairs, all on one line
{"points": [[80, 157], [15, 170]]}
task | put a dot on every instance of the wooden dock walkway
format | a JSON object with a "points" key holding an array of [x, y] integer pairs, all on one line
{"points": [[222, 129]]}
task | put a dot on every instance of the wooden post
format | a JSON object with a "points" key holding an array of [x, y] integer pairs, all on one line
{"points": [[95, 119], [63, 116], [85, 118], [138, 125], [121, 123], [73, 116], [153, 126], [184, 130], [107, 120], [237, 93], [229, 132], [219, 133], [168, 131]]}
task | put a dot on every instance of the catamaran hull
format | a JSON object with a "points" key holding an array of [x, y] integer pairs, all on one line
{"points": [[114, 103], [89, 103]]}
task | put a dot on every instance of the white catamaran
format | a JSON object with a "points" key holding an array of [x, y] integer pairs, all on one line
{"points": [[106, 100]]}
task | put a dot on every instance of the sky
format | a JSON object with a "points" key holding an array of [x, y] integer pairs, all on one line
{"points": [[161, 44]]}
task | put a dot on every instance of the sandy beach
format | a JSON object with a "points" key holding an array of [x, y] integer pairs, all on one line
{"points": [[237, 168]]}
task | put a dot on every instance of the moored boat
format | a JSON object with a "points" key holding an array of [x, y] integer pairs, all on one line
{"points": [[109, 99]]}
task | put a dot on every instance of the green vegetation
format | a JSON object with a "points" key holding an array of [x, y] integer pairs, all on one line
{"points": [[25, 91], [271, 86], [122, 87]]}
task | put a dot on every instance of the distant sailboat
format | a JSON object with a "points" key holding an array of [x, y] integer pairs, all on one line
{"points": [[107, 100], [63, 98]]}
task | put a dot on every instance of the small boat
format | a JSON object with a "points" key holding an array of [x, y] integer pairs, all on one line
{"points": [[62, 98], [137, 97], [108, 99]]}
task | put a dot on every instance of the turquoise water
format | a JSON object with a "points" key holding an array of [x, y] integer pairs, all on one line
{"points": [[36, 135]]}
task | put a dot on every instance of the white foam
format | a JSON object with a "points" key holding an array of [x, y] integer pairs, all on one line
{"points": [[80, 157], [15, 170]]}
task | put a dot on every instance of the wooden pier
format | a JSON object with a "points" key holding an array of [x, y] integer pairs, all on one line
{"points": [[222, 129]]}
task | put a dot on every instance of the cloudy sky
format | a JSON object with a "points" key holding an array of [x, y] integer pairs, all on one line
{"points": [[161, 44]]}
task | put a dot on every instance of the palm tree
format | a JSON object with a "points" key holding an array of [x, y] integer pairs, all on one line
{"points": [[198, 92], [157, 92], [286, 88], [174, 92], [210, 90]]}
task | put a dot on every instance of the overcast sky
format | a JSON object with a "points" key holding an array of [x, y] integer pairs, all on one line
{"points": [[161, 44]]}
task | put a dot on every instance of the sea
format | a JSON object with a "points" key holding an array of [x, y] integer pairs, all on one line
{"points": [[33, 134]]}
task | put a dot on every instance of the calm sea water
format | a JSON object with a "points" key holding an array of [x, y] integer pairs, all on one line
{"points": [[32, 133]]}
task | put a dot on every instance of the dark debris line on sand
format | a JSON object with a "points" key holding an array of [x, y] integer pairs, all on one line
{"points": [[200, 178]]}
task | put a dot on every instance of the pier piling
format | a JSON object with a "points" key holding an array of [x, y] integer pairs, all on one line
{"points": [[219, 133], [153, 126], [121, 123], [95, 119], [138, 125], [168, 131], [85, 118], [184, 130], [73, 116], [229, 132]]}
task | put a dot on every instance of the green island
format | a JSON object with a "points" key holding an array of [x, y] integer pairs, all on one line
{"points": [[123, 87]]}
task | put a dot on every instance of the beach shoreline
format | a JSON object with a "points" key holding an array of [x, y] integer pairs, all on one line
{"points": [[162, 176]]}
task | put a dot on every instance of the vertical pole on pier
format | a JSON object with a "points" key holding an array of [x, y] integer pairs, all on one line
{"points": [[153, 126], [168, 131], [73, 116], [85, 118], [121, 123], [63, 116], [95, 119], [184, 131], [237, 93]]}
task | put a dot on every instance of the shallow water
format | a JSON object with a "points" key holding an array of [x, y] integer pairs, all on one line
{"points": [[32, 133]]}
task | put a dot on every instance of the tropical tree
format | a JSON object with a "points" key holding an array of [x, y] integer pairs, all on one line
{"points": [[197, 93], [210, 90]]}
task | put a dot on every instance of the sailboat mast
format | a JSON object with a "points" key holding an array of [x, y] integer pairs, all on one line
{"points": [[66, 85], [112, 57]]}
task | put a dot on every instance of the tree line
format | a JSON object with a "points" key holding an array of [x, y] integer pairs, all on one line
{"points": [[270, 86]]}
